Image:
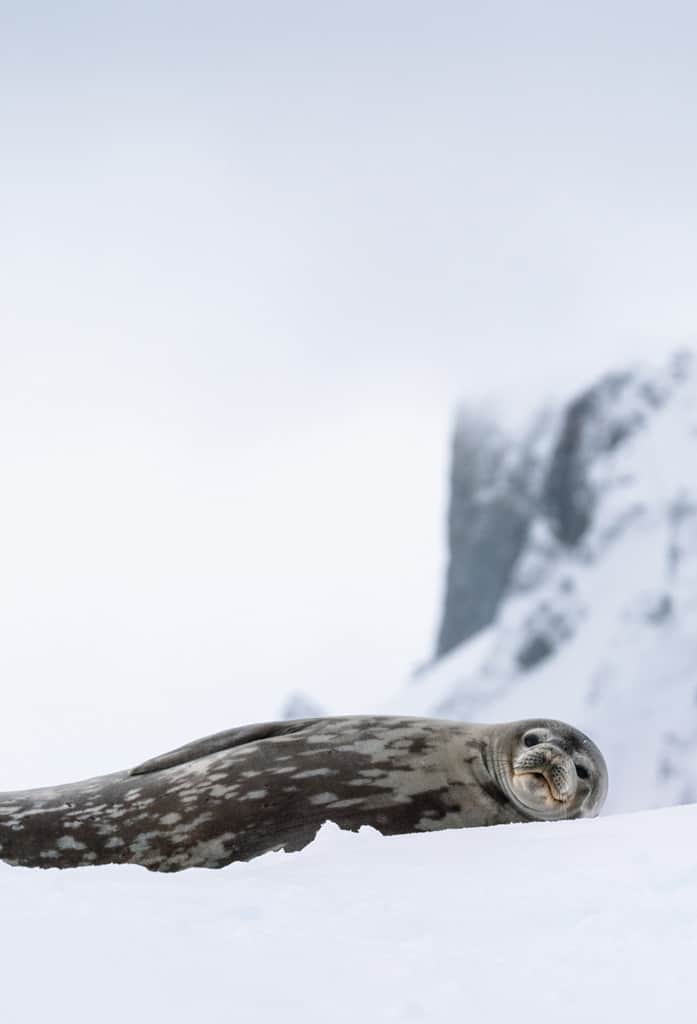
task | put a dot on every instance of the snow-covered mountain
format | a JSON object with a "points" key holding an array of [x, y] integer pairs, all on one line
{"points": [[572, 585]]}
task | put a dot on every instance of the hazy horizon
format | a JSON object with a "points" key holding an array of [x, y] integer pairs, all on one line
{"points": [[252, 258]]}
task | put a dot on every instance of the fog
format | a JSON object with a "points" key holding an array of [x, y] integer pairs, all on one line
{"points": [[251, 258]]}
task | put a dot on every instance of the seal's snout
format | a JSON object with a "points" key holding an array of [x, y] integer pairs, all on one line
{"points": [[551, 767]]}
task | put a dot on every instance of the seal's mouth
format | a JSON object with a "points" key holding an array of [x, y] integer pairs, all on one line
{"points": [[542, 785]]}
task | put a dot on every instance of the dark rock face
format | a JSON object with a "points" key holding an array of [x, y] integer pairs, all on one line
{"points": [[568, 496], [494, 495], [501, 487], [537, 649], [548, 627], [596, 423]]}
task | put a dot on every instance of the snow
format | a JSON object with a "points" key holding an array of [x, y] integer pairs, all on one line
{"points": [[494, 924]]}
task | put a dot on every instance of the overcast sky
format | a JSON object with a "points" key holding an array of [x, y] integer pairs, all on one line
{"points": [[251, 256]]}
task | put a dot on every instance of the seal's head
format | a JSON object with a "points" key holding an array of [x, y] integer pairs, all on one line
{"points": [[549, 770]]}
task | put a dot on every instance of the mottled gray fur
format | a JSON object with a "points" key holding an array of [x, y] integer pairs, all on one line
{"points": [[242, 793]]}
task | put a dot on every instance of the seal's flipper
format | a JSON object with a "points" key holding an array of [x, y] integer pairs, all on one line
{"points": [[220, 741]]}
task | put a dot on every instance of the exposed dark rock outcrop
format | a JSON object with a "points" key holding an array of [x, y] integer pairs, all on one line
{"points": [[596, 423], [494, 490]]}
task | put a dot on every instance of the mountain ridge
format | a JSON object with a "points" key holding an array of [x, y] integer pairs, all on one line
{"points": [[595, 619]]}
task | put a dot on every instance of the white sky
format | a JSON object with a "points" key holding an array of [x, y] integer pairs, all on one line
{"points": [[250, 257]]}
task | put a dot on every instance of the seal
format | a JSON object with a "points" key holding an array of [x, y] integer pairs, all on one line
{"points": [[238, 794]]}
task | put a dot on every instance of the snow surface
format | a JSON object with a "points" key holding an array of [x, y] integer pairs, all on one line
{"points": [[498, 924]]}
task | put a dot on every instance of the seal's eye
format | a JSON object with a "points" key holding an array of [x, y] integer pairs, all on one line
{"points": [[582, 772], [532, 740]]}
